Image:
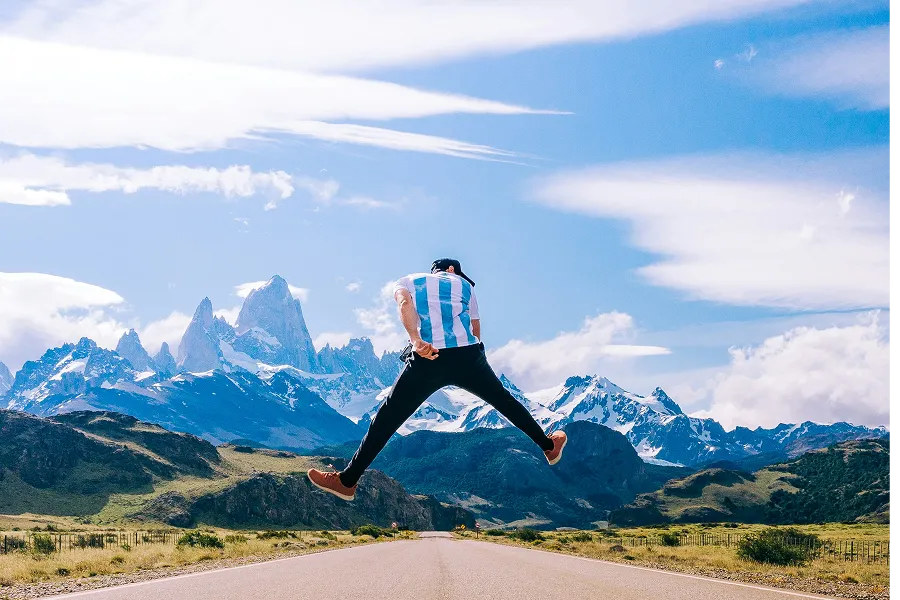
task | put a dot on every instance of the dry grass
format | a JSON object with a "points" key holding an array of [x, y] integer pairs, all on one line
{"points": [[22, 567], [707, 558], [833, 531]]}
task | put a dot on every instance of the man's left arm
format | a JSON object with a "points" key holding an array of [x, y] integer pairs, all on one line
{"points": [[476, 328]]}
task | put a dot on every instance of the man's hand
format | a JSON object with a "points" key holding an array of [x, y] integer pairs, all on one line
{"points": [[425, 350]]}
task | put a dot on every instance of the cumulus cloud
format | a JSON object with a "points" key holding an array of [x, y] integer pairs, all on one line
{"points": [[536, 365], [38, 311], [182, 104], [850, 67], [748, 229], [818, 374], [169, 329], [381, 321], [337, 339], [353, 287], [243, 290], [45, 181]]}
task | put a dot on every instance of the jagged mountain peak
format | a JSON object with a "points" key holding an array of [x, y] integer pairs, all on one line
{"points": [[164, 361], [204, 312], [200, 348], [270, 327], [131, 349]]}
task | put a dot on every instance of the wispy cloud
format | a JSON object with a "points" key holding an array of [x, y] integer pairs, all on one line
{"points": [[317, 36], [848, 67], [45, 181], [131, 99], [748, 229], [540, 364]]}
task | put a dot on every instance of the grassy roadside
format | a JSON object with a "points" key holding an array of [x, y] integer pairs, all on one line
{"points": [[30, 568], [838, 578]]}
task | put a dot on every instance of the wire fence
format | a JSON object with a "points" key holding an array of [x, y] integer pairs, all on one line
{"points": [[866, 551], [18, 541]]}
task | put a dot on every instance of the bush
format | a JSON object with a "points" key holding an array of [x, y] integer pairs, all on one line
{"points": [[203, 540], [235, 539], [328, 535], [670, 539], [118, 559], [279, 535], [778, 546], [91, 540], [373, 530], [126, 547], [527, 535], [582, 536], [62, 571], [495, 532], [43, 544]]}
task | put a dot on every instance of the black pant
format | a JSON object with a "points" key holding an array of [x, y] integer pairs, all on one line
{"points": [[466, 367]]}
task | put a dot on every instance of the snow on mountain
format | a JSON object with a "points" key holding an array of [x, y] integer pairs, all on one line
{"points": [[6, 379], [67, 371], [130, 348]]}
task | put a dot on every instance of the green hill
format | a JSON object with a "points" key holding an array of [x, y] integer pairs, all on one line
{"points": [[504, 478], [110, 468], [849, 481]]}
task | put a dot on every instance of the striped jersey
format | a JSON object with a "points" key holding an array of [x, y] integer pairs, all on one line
{"points": [[446, 305]]}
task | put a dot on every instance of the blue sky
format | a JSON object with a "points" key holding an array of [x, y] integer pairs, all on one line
{"points": [[640, 189]]}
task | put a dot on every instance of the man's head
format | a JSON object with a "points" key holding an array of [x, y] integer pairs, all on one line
{"points": [[450, 265]]}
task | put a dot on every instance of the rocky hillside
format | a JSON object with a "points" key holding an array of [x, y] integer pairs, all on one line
{"points": [[504, 478], [849, 481], [107, 467]]}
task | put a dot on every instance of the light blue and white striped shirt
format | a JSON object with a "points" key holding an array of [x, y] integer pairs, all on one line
{"points": [[446, 306]]}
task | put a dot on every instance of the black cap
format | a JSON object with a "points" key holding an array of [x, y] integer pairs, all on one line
{"points": [[442, 264]]}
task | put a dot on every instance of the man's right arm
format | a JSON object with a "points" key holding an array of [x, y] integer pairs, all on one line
{"points": [[410, 319]]}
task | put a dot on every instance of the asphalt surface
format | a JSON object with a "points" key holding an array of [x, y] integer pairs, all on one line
{"points": [[436, 568]]}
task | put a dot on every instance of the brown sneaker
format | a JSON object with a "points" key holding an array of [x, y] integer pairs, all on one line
{"points": [[559, 442], [331, 483]]}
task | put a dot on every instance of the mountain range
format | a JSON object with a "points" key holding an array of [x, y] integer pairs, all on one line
{"points": [[262, 380]]}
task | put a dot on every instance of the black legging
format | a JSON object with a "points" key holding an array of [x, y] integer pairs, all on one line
{"points": [[465, 367]]}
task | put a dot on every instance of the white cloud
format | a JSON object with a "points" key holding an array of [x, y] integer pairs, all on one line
{"points": [[44, 180], [136, 99], [822, 375], [719, 64], [382, 322], [850, 67], [243, 290], [736, 228], [169, 329], [536, 365], [335, 338], [353, 287], [321, 36], [39, 311]]}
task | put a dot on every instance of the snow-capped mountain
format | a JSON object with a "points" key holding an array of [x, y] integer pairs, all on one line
{"points": [[262, 380], [6, 379]]}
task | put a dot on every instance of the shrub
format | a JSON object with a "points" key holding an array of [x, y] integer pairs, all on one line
{"points": [[617, 548], [582, 536], [235, 539], [272, 534], [495, 532], [62, 571], [670, 539], [126, 547], [373, 530], [14, 543], [328, 535], [43, 544], [91, 540], [203, 540], [777, 546], [563, 540], [527, 535], [628, 557], [118, 559]]}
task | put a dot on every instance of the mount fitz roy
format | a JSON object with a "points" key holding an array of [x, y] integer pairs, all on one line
{"points": [[261, 380]]}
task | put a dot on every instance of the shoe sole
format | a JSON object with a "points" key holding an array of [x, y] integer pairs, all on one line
{"points": [[331, 491], [559, 456]]}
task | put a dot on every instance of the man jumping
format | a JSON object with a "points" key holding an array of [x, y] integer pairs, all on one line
{"points": [[440, 314]]}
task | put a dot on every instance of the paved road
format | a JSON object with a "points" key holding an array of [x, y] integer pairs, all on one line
{"points": [[436, 568]]}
